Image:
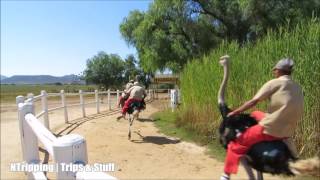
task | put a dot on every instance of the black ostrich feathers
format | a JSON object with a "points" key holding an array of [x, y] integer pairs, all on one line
{"points": [[267, 156]]}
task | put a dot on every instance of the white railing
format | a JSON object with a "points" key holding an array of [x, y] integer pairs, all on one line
{"points": [[44, 102], [67, 149]]}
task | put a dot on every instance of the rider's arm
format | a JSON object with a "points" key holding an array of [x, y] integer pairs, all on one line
{"points": [[265, 92], [247, 105], [128, 91]]}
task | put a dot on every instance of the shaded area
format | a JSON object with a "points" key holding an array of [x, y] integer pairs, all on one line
{"points": [[146, 120], [159, 140], [78, 122]]}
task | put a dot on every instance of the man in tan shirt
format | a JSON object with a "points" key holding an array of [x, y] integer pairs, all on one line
{"points": [[136, 93], [284, 111]]}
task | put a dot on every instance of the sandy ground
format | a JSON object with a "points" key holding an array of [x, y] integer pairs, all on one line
{"points": [[150, 154]]}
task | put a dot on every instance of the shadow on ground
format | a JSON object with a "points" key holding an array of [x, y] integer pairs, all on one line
{"points": [[159, 140]]}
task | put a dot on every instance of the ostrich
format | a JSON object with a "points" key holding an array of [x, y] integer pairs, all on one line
{"points": [[133, 113], [268, 156]]}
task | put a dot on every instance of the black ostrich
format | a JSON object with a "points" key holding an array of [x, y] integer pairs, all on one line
{"points": [[266, 157]]}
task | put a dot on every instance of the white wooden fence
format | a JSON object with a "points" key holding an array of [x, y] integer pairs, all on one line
{"points": [[67, 149], [44, 102]]}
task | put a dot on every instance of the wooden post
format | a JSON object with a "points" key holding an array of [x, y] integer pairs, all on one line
{"points": [[97, 100], [29, 141], [153, 93], [68, 149], [109, 102], [174, 99], [30, 97], [44, 102], [82, 103], [64, 105]]}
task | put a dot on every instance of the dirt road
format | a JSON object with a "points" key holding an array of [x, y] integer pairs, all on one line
{"points": [[150, 154]]}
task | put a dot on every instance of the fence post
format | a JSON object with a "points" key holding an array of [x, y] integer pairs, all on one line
{"points": [[82, 103], [64, 105], [44, 102], [30, 97], [29, 141], [68, 149], [109, 103], [174, 99], [97, 100]]}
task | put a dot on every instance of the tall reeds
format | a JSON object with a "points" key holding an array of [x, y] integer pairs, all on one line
{"points": [[250, 68]]}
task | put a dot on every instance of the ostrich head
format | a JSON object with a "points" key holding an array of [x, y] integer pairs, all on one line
{"points": [[224, 60]]}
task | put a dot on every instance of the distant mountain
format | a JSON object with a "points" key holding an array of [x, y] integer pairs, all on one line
{"points": [[3, 77], [42, 79]]}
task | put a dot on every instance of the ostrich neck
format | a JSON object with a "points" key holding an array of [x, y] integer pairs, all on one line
{"points": [[223, 85]]}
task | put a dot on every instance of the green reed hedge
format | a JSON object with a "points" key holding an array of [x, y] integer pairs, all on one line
{"points": [[250, 67]]}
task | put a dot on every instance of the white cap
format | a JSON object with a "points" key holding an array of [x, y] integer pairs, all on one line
{"points": [[285, 64]]}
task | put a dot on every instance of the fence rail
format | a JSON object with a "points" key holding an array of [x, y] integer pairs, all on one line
{"points": [[98, 95]]}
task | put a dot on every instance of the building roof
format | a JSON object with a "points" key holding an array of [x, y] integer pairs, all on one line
{"points": [[165, 78]]}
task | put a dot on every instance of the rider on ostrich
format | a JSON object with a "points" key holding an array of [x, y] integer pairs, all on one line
{"points": [[124, 95], [285, 108], [136, 93]]}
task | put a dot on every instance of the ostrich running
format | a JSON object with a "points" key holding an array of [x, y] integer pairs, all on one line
{"points": [[133, 113], [268, 156]]}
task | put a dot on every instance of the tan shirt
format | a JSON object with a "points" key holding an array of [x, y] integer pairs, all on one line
{"points": [[137, 92], [285, 108]]}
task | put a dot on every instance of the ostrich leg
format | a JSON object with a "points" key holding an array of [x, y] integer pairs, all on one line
{"points": [[247, 167], [260, 175]]}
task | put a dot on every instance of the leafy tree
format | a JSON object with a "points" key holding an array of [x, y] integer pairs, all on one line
{"points": [[105, 70], [130, 68], [171, 33]]}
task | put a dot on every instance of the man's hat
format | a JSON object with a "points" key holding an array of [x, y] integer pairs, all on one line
{"points": [[285, 64]]}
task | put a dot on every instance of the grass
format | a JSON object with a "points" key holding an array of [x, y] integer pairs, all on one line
{"points": [[10, 92], [166, 122], [250, 68]]}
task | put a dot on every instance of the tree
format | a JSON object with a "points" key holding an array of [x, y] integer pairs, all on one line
{"points": [[171, 33], [130, 68], [105, 70]]}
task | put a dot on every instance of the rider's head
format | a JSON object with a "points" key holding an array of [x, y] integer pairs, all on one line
{"points": [[283, 67]]}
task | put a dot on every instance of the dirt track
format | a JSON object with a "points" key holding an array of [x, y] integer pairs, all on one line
{"points": [[150, 154]]}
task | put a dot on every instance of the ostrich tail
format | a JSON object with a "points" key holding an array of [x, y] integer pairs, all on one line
{"points": [[309, 167]]}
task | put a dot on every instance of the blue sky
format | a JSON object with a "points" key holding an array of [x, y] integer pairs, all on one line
{"points": [[57, 37]]}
